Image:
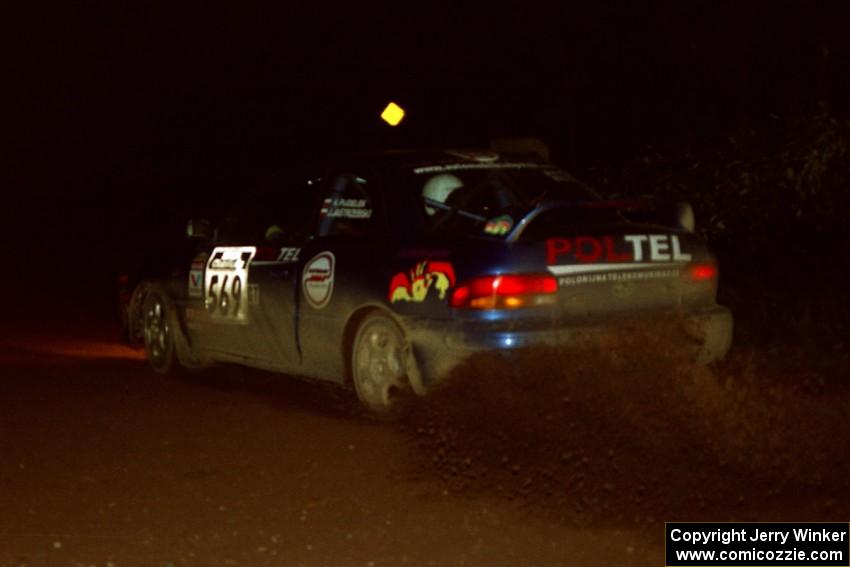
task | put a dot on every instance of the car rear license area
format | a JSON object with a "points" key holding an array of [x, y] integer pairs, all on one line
{"points": [[603, 274]]}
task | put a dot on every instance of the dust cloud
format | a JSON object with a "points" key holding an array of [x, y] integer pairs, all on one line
{"points": [[629, 432]]}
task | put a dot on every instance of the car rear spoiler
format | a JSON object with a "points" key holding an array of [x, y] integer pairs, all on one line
{"points": [[521, 146], [625, 205]]}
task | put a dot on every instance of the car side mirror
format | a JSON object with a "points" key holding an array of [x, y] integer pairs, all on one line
{"points": [[198, 228]]}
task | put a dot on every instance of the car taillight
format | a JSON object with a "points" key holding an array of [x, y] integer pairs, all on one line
{"points": [[702, 272], [512, 291]]}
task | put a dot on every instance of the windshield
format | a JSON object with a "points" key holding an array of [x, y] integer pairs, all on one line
{"points": [[488, 198]]}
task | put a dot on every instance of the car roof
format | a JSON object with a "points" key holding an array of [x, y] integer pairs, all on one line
{"points": [[424, 157], [387, 160]]}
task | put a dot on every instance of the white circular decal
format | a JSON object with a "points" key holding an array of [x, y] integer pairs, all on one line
{"points": [[318, 279]]}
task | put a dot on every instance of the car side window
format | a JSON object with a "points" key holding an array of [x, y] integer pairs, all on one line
{"points": [[279, 213], [288, 214], [347, 206], [233, 229]]}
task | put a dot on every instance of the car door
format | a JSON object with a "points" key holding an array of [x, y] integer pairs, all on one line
{"points": [[273, 293], [342, 267], [245, 282], [217, 314]]}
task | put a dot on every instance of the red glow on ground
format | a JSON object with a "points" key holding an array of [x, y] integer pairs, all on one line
{"points": [[65, 347]]}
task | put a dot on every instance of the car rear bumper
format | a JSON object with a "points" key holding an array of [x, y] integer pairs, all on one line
{"points": [[440, 346]]}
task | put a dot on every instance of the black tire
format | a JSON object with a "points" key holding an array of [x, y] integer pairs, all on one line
{"points": [[132, 316], [158, 324], [378, 363]]}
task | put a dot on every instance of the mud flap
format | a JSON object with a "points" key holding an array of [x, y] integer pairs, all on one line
{"points": [[182, 349], [714, 333], [411, 367]]}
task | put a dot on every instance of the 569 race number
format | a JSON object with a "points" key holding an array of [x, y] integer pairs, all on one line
{"points": [[226, 282]]}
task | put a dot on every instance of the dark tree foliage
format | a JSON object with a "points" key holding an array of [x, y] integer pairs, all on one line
{"points": [[780, 191], [774, 202]]}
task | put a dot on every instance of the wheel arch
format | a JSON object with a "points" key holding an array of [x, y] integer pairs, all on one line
{"points": [[137, 302], [350, 333], [186, 355]]}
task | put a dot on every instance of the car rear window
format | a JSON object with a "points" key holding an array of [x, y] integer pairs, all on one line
{"points": [[487, 198]]}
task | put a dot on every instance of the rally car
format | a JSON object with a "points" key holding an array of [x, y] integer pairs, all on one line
{"points": [[389, 269]]}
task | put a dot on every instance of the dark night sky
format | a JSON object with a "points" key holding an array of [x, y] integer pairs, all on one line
{"points": [[110, 106]]}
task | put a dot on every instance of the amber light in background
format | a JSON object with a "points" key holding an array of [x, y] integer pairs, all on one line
{"points": [[393, 114]]}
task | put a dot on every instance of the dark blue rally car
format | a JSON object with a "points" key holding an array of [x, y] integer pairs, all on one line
{"points": [[391, 268]]}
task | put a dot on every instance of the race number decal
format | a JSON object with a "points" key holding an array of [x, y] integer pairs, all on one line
{"points": [[226, 283]]}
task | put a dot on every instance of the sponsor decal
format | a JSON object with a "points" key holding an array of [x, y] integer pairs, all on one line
{"points": [[618, 277], [288, 255], [225, 264], [196, 275], [499, 226], [345, 209], [272, 257], [415, 284], [196, 283], [318, 279], [226, 283], [589, 254]]}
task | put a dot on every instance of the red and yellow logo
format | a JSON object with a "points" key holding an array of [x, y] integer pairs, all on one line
{"points": [[415, 284]]}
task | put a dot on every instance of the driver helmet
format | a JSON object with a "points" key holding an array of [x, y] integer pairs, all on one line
{"points": [[438, 188]]}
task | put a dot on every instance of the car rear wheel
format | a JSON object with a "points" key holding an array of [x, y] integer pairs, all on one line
{"points": [[378, 363], [158, 332]]}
